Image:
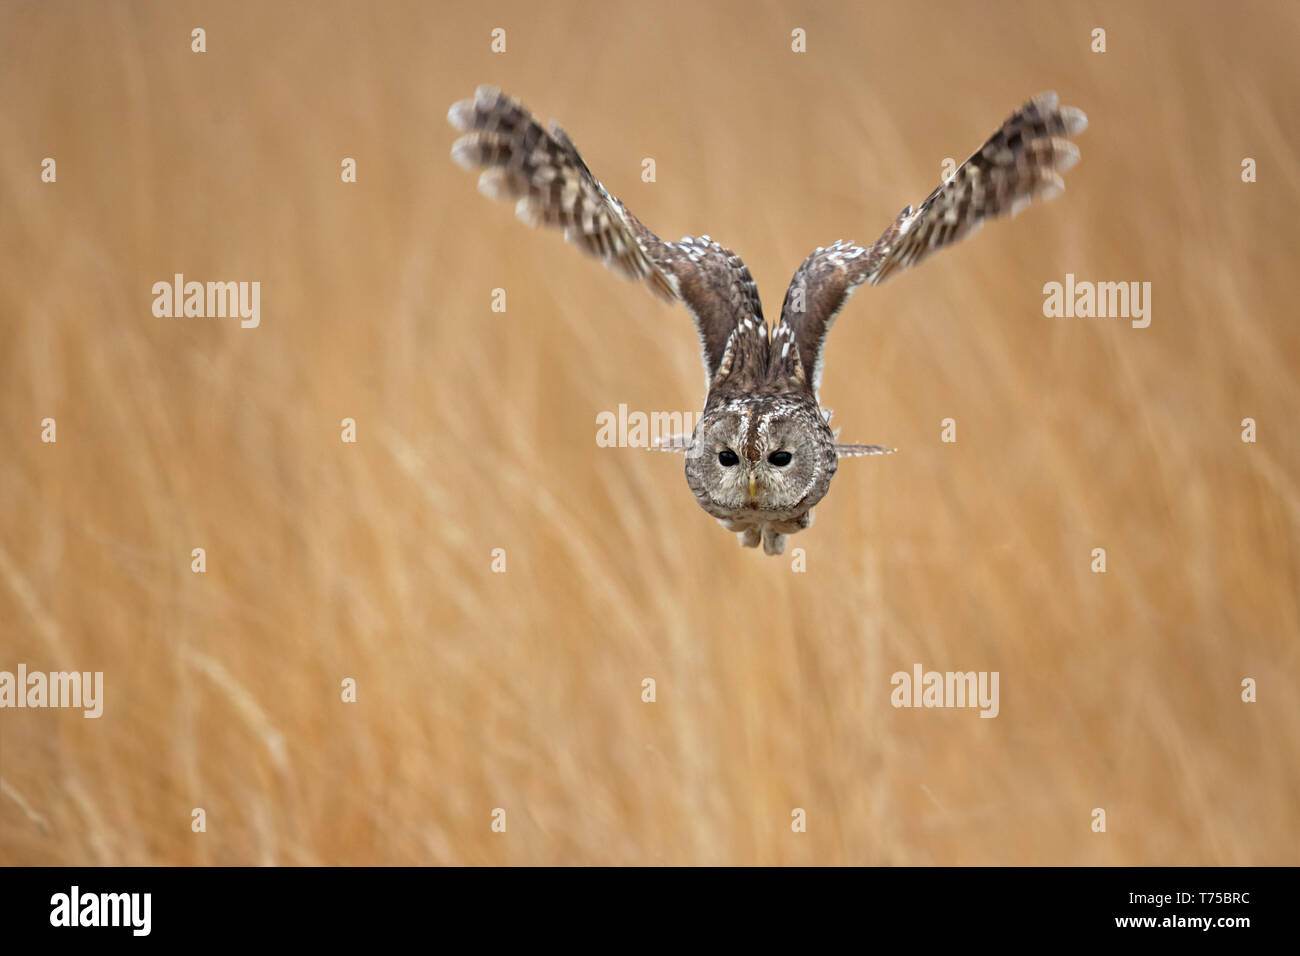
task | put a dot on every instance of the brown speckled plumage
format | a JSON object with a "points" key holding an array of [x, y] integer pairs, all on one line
{"points": [[761, 407]]}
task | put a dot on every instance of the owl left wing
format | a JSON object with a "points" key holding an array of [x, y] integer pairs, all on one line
{"points": [[542, 171], [1020, 162]]}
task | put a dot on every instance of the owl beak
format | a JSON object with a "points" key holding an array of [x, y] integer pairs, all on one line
{"points": [[753, 487]]}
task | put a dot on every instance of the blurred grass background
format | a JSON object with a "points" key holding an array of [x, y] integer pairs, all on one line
{"points": [[476, 431]]}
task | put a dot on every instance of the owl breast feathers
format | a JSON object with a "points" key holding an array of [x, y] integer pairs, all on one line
{"points": [[763, 453]]}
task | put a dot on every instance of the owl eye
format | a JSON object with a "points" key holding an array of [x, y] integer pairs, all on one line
{"points": [[727, 458], [780, 458]]}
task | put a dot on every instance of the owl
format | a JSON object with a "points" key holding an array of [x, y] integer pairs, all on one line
{"points": [[762, 453]]}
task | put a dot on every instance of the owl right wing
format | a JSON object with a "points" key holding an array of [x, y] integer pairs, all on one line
{"points": [[541, 170], [1022, 161]]}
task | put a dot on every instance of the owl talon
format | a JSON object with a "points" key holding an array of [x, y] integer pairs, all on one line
{"points": [[749, 538], [773, 543]]}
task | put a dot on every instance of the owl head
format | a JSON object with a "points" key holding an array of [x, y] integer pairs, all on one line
{"points": [[760, 458]]}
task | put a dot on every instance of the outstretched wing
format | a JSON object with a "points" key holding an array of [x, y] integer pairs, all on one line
{"points": [[1022, 161], [857, 451], [541, 170]]}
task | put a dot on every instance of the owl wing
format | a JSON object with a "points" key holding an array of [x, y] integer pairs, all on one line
{"points": [[541, 170], [1022, 161]]}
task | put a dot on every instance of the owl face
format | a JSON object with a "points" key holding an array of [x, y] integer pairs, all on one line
{"points": [[757, 461]]}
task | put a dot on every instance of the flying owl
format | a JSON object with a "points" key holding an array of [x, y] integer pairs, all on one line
{"points": [[762, 454]]}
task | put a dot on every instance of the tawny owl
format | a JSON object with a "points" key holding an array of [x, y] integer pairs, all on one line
{"points": [[762, 454]]}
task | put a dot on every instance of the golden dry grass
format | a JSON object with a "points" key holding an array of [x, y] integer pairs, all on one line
{"points": [[522, 690]]}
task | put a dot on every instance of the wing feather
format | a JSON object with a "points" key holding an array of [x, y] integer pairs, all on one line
{"points": [[542, 172], [1021, 162]]}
